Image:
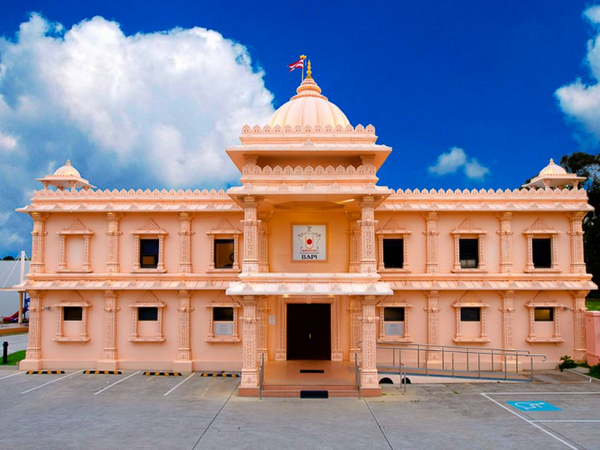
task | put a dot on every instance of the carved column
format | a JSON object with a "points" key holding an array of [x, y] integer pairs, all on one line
{"points": [[113, 234], [185, 242], [336, 348], [250, 222], [508, 319], [262, 318], [33, 355], [281, 350], [576, 233], [368, 263], [109, 352], [433, 322], [505, 233], [263, 243], [431, 235], [579, 309], [355, 328], [368, 376], [249, 383], [183, 363], [354, 235], [37, 242]]}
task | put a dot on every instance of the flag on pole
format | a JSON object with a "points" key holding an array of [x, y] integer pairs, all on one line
{"points": [[296, 65]]}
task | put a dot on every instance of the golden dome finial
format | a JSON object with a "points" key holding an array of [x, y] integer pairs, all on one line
{"points": [[308, 71]]}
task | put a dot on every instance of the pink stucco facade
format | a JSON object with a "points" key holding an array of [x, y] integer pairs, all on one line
{"points": [[308, 167]]}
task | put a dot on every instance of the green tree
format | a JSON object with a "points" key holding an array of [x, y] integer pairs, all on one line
{"points": [[588, 166]]}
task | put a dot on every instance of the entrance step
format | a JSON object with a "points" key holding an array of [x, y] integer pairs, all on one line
{"points": [[340, 390]]}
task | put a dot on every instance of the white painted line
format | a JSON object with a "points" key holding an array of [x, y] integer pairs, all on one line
{"points": [[50, 382], [530, 422], [530, 393], [13, 375], [590, 379], [569, 421], [116, 382], [178, 384]]}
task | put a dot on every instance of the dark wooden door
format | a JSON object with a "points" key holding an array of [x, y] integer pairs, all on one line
{"points": [[308, 331]]}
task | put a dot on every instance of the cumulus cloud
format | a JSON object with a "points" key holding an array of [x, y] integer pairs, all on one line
{"points": [[580, 101], [454, 161], [145, 110]]}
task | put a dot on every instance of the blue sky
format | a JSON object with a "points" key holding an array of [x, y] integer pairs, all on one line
{"points": [[474, 80]]}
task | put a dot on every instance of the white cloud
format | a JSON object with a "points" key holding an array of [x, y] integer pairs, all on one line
{"points": [[147, 110], [455, 160], [581, 101]]}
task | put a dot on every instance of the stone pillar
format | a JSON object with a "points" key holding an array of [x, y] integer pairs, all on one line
{"points": [[431, 245], [508, 320], [250, 222], [433, 323], [263, 243], [336, 347], [183, 363], [113, 234], [369, 382], [576, 233], [262, 318], [579, 341], [185, 242], [354, 235], [368, 262], [38, 238], [109, 352], [505, 233], [33, 355], [355, 328], [249, 383]]}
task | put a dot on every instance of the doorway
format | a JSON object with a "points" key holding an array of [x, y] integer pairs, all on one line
{"points": [[308, 331]]}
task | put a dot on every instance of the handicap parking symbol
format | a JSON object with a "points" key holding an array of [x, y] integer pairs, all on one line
{"points": [[534, 406]]}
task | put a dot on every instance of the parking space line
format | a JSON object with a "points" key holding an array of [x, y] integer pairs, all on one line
{"points": [[116, 382], [13, 375], [528, 393], [178, 384], [568, 420], [529, 421], [50, 382]]}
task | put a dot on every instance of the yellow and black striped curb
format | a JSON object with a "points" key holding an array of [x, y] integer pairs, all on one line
{"points": [[223, 375], [163, 374], [102, 372], [45, 372]]}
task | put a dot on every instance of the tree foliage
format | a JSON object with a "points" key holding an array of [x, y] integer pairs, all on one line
{"points": [[588, 166]]}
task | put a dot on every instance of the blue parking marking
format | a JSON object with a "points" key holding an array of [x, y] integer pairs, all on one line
{"points": [[533, 406]]}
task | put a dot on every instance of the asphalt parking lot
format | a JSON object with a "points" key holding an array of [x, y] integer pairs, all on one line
{"points": [[134, 411]]}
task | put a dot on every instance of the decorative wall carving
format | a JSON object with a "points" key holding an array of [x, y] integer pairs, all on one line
{"points": [[34, 345], [109, 352], [38, 237], [184, 352], [579, 342], [576, 233], [113, 236], [431, 239], [508, 319], [185, 242], [368, 378], [433, 322], [368, 263], [249, 352], [505, 233], [251, 245]]}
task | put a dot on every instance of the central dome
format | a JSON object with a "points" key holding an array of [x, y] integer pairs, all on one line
{"points": [[308, 107]]}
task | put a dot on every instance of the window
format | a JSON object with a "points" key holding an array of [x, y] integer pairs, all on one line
{"points": [[393, 322], [148, 313], [543, 314], [224, 253], [470, 314], [223, 321], [469, 253], [72, 313], [393, 253], [542, 253], [149, 253], [75, 248]]}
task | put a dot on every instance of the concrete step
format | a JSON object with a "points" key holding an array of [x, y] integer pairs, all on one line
{"points": [[308, 387], [296, 392]]}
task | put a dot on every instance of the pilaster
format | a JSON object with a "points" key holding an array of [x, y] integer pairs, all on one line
{"points": [[355, 242], [109, 352], [505, 233], [185, 242], [33, 355], [263, 243], [250, 222], [263, 316], [368, 263], [183, 363], [113, 236], [38, 239], [576, 233], [579, 309], [508, 319], [433, 322], [355, 327], [431, 239]]}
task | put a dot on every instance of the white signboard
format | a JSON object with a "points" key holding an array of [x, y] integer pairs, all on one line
{"points": [[310, 242], [394, 329], [272, 319], [223, 328]]}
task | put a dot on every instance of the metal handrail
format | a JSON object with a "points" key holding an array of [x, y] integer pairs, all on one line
{"points": [[261, 375], [357, 373], [493, 353]]}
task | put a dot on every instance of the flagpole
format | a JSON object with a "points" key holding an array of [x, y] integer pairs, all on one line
{"points": [[302, 57]]}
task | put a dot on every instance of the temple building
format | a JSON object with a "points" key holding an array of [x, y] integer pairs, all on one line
{"points": [[308, 259]]}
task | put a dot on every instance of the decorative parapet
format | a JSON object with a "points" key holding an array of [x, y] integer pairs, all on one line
{"points": [[129, 193], [328, 132], [362, 170]]}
